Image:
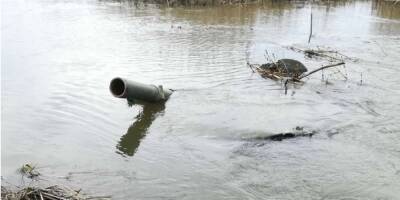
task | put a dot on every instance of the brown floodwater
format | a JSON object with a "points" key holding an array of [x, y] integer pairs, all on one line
{"points": [[57, 58]]}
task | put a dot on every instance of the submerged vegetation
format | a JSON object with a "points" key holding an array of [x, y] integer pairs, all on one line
{"points": [[49, 193], [29, 170], [53, 192]]}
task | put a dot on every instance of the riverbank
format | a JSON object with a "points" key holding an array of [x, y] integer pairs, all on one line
{"points": [[46, 193], [177, 3]]}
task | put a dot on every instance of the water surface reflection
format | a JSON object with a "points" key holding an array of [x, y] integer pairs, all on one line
{"points": [[130, 142], [386, 9]]}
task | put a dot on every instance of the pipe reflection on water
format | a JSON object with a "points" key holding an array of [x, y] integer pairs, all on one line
{"points": [[129, 142]]}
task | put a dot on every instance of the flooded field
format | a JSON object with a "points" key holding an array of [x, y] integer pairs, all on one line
{"points": [[58, 57]]}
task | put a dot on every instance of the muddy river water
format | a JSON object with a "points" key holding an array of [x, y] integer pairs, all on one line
{"points": [[57, 58]]}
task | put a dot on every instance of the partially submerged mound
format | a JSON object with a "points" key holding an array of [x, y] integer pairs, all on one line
{"points": [[282, 68], [286, 67]]}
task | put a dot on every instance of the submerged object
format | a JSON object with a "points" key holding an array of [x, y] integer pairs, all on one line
{"points": [[132, 90], [285, 68], [297, 132]]}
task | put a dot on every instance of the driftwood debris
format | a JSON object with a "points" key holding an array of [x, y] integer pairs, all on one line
{"points": [[280, 69], [49, 193], [331, 55], [294, 72], [54, 192], [297, 132], [282, 136], [321, 68], [29, 170]]}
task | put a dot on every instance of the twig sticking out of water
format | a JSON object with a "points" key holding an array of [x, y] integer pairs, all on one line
{"points": [[319, 69], [251, 67], [341, 73], [286, 82], [269, 58], [309, 37], [265, 73]]}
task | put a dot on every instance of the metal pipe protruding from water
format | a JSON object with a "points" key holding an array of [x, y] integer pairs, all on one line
{"points": [[132, 90]]}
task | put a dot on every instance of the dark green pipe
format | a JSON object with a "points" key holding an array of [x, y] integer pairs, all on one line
{"points": [[132, 90]]}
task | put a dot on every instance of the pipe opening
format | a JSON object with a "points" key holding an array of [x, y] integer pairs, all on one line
{"points": [[117, 87]]}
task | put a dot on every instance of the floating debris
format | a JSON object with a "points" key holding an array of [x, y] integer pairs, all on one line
{"points": [[49, 193], [331, 55], [30, 192], [298, 132], [283, 68], [289, 69], [29, 170], [282, 136]]}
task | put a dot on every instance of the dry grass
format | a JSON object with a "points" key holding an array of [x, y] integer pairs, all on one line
{"points": [[49, 193]]}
